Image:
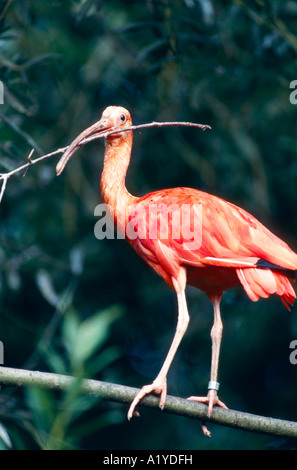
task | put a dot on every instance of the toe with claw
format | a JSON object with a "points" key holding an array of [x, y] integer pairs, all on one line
{"points": [[212, 400], [158, 387]]}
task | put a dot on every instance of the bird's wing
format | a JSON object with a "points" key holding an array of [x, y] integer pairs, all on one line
{"points": [[187, 226]]}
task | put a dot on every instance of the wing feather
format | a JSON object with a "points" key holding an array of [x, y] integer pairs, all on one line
{"points": [[227, 235]]}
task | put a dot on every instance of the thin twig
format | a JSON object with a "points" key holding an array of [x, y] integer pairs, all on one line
{"points": [[174, 405], [145, 126], [5, 9], [5, 176], [30, 161]]}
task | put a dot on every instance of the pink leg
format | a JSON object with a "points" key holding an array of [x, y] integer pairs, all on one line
{"points": [[213, 386], [159, 385]]}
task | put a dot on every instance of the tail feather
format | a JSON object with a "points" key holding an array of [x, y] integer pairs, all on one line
{"points": [[262, 282]]}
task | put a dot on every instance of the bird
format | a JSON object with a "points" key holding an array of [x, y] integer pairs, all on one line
{"points": [[222, 246]]}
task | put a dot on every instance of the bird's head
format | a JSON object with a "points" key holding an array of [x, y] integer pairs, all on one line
{"points": [[112, 119]]}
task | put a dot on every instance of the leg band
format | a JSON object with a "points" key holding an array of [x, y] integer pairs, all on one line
{"points": [[212, 385]]}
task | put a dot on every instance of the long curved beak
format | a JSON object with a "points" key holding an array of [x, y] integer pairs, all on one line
{"points": [[96, 131]]}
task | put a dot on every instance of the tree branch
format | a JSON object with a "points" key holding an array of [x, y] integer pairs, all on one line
{"points": [[174, 405], [5, 176]]}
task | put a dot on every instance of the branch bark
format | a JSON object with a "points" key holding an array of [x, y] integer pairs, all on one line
{"points": [[174, 405]]}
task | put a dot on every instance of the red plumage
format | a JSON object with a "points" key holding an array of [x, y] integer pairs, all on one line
{"points": [[233, 243], [225, 248]]}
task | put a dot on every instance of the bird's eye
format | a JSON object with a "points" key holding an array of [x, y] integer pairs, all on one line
{"points": [[123, 117]]}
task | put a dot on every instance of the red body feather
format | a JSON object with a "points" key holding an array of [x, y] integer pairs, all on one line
{"points": [[232, 244]]}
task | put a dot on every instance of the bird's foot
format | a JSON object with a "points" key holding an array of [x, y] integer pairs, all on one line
{"points": [[213, 400], [159, 386]]}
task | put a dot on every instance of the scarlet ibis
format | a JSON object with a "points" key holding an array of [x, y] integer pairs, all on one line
{"points": [[234, 247]]}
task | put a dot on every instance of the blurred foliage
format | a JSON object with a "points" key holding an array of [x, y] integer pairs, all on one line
{"points": [[75, 305]]}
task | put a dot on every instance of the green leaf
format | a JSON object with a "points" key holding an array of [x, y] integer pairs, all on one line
{"points": [[93, 332], [55, 360], [46, 287], [4, 437], [102, 360], [42, 407], [70, 331], [83, 339]]}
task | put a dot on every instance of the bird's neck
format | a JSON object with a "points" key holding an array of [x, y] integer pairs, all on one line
{"points": [[113, 188]]}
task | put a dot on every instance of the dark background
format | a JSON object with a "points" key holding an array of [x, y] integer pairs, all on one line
{"points": [[74, 305]]}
